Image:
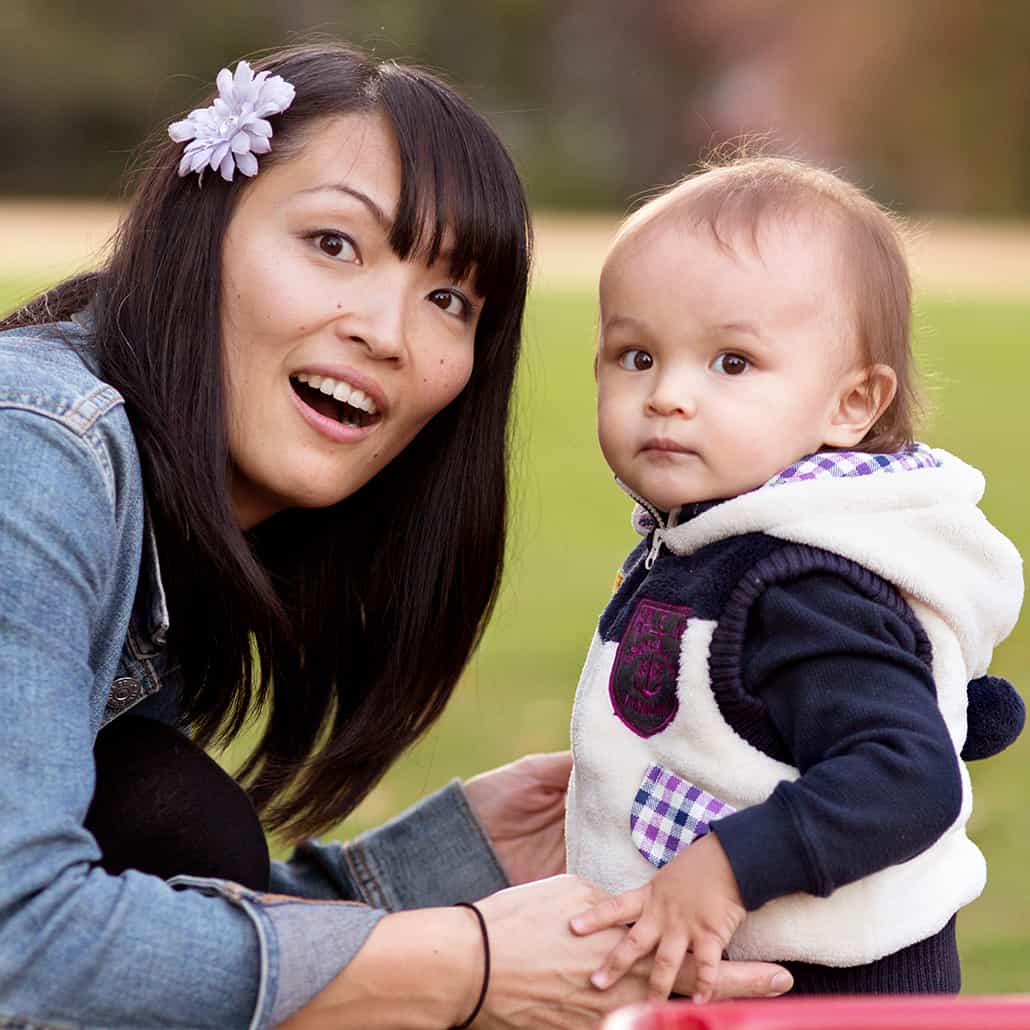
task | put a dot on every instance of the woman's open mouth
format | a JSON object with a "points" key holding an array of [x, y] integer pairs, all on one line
{"points": [[335, 399]]}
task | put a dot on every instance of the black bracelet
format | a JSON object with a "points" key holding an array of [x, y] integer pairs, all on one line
{"points": [[486, 964]]}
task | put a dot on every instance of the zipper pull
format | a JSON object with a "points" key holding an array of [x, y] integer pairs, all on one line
{"points": [[656, 546]]}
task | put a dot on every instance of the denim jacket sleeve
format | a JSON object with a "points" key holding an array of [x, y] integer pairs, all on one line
{"points": [[436, 853], [81, 948]]}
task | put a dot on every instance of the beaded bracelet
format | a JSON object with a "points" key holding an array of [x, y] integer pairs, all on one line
{"points": [[486, 964]]}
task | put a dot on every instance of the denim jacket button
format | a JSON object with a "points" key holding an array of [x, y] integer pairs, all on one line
{"points": [[124, 691]]}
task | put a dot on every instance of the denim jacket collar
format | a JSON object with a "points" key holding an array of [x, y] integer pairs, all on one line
{"points": [[150, 611]]}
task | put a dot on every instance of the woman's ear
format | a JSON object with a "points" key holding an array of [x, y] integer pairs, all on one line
{"points": [[862, 397]]}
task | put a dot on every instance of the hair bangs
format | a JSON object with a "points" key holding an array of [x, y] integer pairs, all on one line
{"points": [[460, 195]]}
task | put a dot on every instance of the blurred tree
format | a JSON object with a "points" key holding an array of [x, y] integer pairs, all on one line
{"points": [[924, 101]]}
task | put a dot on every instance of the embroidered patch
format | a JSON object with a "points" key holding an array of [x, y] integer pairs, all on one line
{"points": [[669, 813], [642, 685]]}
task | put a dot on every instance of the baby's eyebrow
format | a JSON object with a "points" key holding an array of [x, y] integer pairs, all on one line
{"points": [[742, 329], [623, 322], [747, 328]]}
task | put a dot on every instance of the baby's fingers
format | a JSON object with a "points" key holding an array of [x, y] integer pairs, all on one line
{"points": [[707, 955], [667, 961], [638, 942], [618, 911]]}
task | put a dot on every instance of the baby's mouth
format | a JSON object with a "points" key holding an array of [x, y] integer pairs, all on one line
{"points": [[335, 399]]}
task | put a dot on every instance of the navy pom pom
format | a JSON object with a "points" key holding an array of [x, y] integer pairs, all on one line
{"points": [[995, 716]]}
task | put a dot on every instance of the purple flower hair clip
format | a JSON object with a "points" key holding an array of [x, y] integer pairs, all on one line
{"points": [[228, 134]]}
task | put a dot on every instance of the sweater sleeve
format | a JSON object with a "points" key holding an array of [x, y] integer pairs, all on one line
{"points": [[857, 713]]}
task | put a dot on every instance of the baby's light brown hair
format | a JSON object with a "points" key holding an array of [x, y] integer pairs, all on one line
{"points": [[741, 193]]}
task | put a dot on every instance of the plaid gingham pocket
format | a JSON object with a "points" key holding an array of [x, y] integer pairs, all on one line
{"points": [[669, 813]]}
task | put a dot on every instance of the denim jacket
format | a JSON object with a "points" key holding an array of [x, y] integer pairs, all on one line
{"points": [[82, 627]]}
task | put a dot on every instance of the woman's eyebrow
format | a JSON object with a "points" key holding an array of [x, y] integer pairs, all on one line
{"points": [[338, 187]]}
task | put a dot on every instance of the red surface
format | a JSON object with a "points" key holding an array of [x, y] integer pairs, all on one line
{"points": [[1001, 1012]]}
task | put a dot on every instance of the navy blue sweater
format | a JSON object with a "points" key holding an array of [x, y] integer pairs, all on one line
{"points": [[856, 712]]}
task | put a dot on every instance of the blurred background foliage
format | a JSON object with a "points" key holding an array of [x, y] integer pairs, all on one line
{"points": [[923, 101]]}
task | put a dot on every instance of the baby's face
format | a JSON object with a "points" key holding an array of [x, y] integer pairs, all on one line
{"points": [[716, 367]]}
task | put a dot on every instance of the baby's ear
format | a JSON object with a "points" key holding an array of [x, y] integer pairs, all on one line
{"points": [[863, 395]]}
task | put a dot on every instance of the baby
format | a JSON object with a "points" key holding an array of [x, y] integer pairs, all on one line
{"points": [[774, 704]]}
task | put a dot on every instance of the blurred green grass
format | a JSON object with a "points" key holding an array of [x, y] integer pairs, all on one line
{"points": [[570, 529]]}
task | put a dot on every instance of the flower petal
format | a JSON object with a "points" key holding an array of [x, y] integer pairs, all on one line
{"points": [[276, 96], [254, 89], [218, 154], [247, 163], [240, 143], [243, 78], [259, 145], [182, 131], [224, 84], [227, 167]]}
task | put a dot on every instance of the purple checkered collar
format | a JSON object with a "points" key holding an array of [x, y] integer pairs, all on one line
{"points": [[821, 465], [843, 464]]}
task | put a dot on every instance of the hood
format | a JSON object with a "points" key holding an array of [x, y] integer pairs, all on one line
{"points": [[920, 529]]}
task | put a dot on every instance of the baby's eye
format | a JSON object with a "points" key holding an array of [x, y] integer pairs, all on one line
{"points": [[336, 245], [451, 301], [636, 360], [731, 364]]}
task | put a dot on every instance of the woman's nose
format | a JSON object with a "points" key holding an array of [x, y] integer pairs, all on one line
{"points": [[377, 319]]}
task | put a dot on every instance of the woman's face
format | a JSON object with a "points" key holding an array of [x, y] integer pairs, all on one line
{"points": [[337, 352]]}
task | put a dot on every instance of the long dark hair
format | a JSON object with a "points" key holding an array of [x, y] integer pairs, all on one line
{"points": [[347, 626]]}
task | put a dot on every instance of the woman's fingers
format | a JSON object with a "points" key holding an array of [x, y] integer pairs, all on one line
{"points": [[541, 971], [617, 911], [667, 961], [738, 979], [552, 769], [752, 980]]}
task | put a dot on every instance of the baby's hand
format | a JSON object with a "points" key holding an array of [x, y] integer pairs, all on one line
{"points": [[693, 903]]}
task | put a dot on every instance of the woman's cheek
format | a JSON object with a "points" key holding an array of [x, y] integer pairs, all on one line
{"points": [[449, 379]]}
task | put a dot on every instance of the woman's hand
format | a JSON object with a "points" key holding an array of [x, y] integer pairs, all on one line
{"points": [[692, 903], [522, 807], [423, 968], [541, 970], [737, 979]]}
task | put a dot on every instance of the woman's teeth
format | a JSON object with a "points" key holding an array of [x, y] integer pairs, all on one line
{"points": [[339, 390]]}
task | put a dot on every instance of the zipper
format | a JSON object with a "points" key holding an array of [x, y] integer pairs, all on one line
{"points": [[661, 527]]}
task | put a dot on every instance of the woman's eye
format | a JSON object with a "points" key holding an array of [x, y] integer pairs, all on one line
{"points": [[450, 301], [636, 360], [336, 245], [731, 364]]}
